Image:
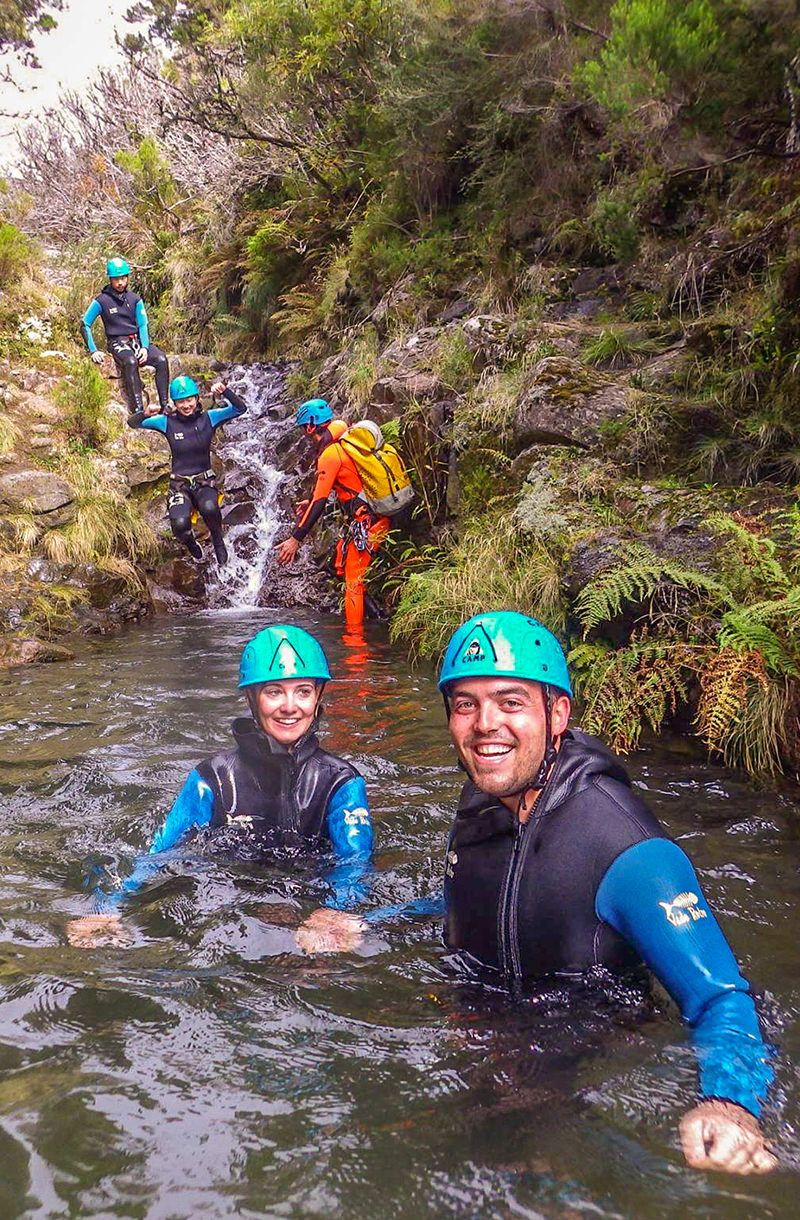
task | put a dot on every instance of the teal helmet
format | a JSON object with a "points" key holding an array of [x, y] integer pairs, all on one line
{"points": [[183, 387], [315, 412], [282, 652], [505, 644], [116, 267]]}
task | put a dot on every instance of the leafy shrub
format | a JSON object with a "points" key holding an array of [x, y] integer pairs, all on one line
{"points": [[16, 251], [654, 44], [83, 396], [613, 227]]}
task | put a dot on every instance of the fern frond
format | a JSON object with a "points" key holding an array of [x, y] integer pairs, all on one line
{"points": [[638, 578], [742, 714], [625, 689]]}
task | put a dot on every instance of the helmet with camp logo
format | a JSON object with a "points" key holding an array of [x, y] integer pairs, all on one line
{"points": [[282, 652], [504, 643]]}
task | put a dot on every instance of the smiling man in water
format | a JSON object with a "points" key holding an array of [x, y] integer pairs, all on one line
{"points": [[555, 867]]}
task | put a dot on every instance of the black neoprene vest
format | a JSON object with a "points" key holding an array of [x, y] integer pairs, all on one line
{"points": [[284, 794], [521, 899], [118, 311], [190, 442]]}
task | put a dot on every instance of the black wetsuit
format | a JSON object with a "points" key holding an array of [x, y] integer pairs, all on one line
{"points": [[125, 323], [592, 882], [263, 798], [193, 484]]}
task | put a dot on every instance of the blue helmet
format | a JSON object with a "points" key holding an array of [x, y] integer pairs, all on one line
{"points": [[282, 652], [183, 387], [315, 412], [116, 267], [506, 644]]}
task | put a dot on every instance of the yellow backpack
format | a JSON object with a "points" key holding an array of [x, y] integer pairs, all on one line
{"points": [[387, 486]]}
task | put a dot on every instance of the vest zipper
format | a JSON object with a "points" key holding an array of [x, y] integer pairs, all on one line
{"points": [[509, 936]]}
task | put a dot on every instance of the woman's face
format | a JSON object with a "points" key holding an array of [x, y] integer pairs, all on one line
{"points": [[286, 709]]}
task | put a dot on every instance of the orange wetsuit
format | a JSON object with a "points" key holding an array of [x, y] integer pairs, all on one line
{"points": [[337, 472]]}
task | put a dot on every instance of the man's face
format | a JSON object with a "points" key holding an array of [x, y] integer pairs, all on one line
{"points": [[498, 728], [286, 709], [118, 283], [187, 406]]}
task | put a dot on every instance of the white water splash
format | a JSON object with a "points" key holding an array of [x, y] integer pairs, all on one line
{"points": [[247, 451]]}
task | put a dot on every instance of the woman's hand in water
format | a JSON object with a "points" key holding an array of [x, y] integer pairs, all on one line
{"points": [[328, 931], [721, 1135], [94, 931]]}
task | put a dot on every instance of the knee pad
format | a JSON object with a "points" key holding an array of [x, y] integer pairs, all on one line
{"points": [[181, 528]]}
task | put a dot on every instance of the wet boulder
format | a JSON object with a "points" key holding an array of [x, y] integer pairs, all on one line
{"points": [[49, 497], [28, 650]]}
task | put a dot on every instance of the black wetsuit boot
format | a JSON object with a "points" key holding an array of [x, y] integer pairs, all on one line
{"points": [[220, 549]]}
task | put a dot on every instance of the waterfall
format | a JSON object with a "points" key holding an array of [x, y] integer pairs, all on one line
{"points": [[251, 510]]}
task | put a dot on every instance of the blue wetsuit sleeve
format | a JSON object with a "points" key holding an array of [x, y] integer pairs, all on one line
{"points": [[350, 830], [141, 322], [192, 809], [234, 406], [155, 423], [87, 321], [418, 908], [651, 896]]}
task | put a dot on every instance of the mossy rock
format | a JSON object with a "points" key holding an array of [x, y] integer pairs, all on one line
{"points": [[564, 403]]}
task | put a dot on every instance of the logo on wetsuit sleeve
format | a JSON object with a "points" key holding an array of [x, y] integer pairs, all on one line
{"points": [[241, 820], [683, 909], [356, 817]]}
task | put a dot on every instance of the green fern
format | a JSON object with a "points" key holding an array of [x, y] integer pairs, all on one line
{"points": [[627, 688], [748, 629], [751, 555], [639, 577]]}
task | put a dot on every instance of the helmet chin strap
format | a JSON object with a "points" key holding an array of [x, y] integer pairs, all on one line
{"points": [[550, 752]]}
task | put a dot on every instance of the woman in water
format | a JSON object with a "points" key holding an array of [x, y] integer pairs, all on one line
{"points": [[276, 789]]}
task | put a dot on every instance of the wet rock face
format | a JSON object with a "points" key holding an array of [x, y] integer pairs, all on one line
{"points": [[49, 497], [564, 403]]}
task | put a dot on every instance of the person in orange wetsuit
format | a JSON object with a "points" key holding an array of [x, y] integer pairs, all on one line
{"points": [[337, 472]]}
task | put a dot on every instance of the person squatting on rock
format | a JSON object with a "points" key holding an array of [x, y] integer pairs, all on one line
{"points": [[193, 484], [276, 789], [124, 319], [555, 867], [336, 472]]}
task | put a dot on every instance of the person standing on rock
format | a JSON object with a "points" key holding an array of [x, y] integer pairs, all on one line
{"points": [[193, 483], [124, 320], [278, 791], [555, 868], [337, 472]]}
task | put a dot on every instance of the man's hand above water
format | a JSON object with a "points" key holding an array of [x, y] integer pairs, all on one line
{"points": [[721, 1135]]}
